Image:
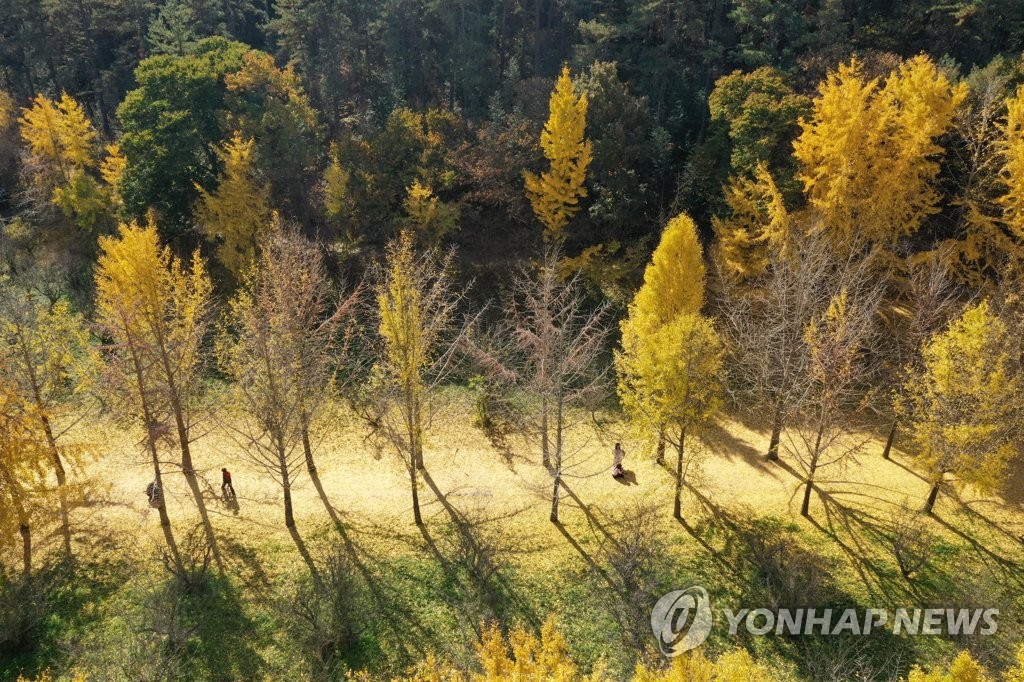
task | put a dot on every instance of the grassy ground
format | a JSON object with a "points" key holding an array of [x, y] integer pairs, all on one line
{"points": [[488, 551]]}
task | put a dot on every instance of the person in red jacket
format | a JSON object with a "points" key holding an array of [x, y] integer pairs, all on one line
{"points": [[225, 484]]}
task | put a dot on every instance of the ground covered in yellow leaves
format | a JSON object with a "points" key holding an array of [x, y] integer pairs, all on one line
{"points": [[488, 554]]}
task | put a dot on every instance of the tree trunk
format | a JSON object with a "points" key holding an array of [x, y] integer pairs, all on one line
{"points": [[26, 549], [933, 495], [888, 441], [415, 497], [659, 454], [62, 479], [545, 447], [677, 509], [773, 444], [286, 485], [557, 472], [306, 448], [554, 496], [805, 508]]}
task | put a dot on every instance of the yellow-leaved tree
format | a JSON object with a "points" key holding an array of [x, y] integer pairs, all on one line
{"points": [[416, 306], [431, 218], [527, 657], [23, 466], [868, 154], [669, 379], [555, 194], [59, 137], [733, 666], [156, 311], [757, 226], [236, 216], [964, 668], [674, 284], [964, 403], [994, 236], [46, 359]]}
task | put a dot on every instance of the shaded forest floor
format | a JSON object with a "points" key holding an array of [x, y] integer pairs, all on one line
{"points": [[487, 551]]}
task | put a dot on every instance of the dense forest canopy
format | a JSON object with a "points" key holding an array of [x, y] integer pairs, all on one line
{"points": [[345, 106]]}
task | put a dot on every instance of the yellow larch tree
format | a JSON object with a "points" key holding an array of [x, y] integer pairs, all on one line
{"points": [[994, 230], [416, 306], [555, 194], [60, 136], [431, 218], [236, 215], [46, 358], [964, 403], [112, 169], [23, 459], [757, 225], [733, 666], [868, 154], [673, 285], [156, 311]]}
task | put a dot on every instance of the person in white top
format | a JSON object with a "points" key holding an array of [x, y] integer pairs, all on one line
{"points": [[617, 460]]}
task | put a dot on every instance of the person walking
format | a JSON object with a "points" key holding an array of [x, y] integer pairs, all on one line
{"points": [[225, 485]]}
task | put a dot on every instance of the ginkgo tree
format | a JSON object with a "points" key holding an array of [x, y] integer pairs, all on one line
{"points": [[46, 358], [23, 467], [868, 154], [419, 334], [964, 403], [280, 346], [555, 194], [236, 215], [674, 284], [155, 310]]}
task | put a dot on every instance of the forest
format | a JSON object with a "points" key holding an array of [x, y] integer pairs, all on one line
{"points": [[437, 341]]}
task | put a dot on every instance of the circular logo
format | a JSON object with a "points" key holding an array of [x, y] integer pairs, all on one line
{"points": [[681, 620]]}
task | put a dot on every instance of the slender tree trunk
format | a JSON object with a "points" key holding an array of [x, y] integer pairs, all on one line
{"points": [[306, 447], [933, 495], [886, 453], [545, 447], [26, 549], [659, 455], [286, 485], [805, 508], [24, 527], [677, 509], [555, 493], [773, 444], [62, 480], [414, 484]]}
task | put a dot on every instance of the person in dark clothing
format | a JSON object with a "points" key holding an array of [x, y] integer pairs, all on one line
{"points": [[617, 456], [225, 485]]}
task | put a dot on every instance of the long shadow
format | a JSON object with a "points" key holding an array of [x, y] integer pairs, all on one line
{"points": [[591, 518], [721, 441], [331, 511], [225, 643], [1009, 567], [304, 552], [583, 553], [211, 537], [896, 462]]}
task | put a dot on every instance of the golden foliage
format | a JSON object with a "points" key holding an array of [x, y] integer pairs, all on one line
{"points": [[336, 188], [757, 226], [112, 169], [430, 217], [868, 153], [59, 135], [555, 194], [963, 669], [964, 403], [693, 666], [237, 215]]}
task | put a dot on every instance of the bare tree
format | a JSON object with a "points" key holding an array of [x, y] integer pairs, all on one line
{"points": [[837, 388], [764, 323], [549, 358], [278, 345]]}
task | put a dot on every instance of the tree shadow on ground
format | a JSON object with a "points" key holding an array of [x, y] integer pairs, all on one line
{"points": [[228, 642]]}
